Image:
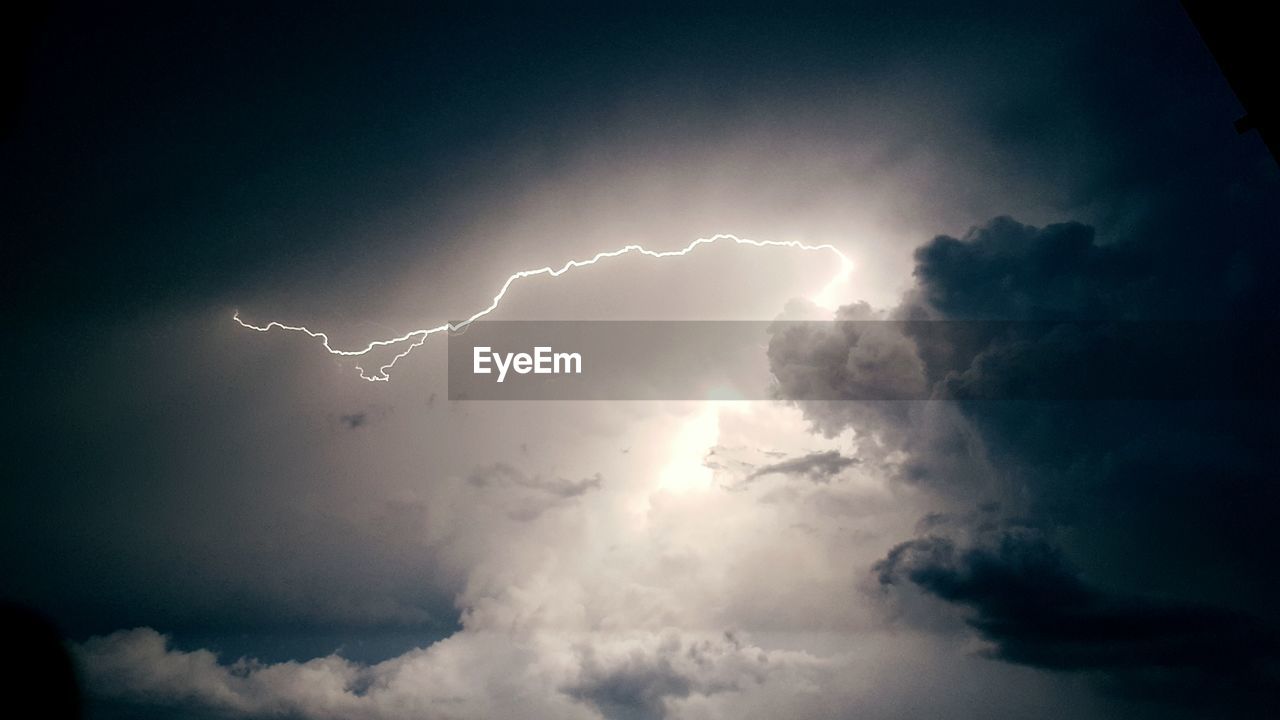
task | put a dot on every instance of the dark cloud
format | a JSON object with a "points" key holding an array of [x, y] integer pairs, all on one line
{"points": [[1005, 270], [1012, 312], [1036, 609], [1094, 393], [817, 466], [353, 420], [502, 474], [1093, 448], [36, 662], [1019, 312], [366, 417]]}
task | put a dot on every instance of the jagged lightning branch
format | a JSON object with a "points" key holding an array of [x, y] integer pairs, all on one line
{"points": [[420, 336]]}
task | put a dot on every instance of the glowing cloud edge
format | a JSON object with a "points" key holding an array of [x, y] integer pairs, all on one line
{"points": [[418, 337]]}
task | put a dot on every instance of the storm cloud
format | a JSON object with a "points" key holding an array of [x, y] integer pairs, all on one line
{"points": [[1041, 345], [1055, 344]]}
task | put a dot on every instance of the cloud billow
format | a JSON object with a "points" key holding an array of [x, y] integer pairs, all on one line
{"points": [[1142, 440]]}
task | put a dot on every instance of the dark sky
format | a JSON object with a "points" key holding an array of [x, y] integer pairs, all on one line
{"points": [[169, 474]]}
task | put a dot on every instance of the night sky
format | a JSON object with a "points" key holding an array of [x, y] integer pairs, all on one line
{"points": [[229, 524]]}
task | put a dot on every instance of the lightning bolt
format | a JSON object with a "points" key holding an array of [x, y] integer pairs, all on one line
{"points": [[416, 338]]}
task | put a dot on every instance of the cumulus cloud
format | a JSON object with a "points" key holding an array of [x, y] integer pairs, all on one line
{"points": [[855, 359], [140, 663], [474, 674]]}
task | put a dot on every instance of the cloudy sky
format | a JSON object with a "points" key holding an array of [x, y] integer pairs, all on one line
{"points": [[230, 524]]}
